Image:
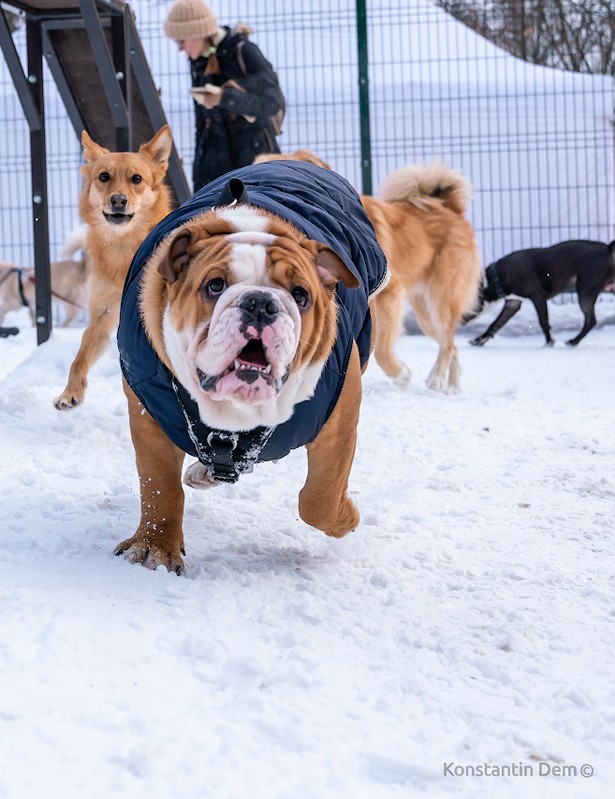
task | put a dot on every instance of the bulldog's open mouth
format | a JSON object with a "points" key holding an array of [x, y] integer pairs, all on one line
{"points": [[249, 366], [118, 218]]}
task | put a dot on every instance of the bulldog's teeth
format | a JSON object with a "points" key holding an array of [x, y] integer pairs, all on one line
{"points": [[251, 367]]}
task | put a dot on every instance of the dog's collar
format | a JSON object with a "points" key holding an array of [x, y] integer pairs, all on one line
{"points": [[225, 454], [24, 301]]}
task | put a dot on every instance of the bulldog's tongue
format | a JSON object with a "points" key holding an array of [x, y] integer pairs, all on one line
{"points": [[248, 379]]}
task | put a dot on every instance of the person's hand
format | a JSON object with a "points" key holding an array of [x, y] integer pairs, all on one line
{"points": [[208, 95]]}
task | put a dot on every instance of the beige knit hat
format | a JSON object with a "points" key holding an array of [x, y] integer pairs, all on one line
{"points": [[190, 19]]}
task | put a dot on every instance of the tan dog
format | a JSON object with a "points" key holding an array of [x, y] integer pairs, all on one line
{"points": [[242, 310], [70, 283], [123, 197], [299, 155], [433, 258]]}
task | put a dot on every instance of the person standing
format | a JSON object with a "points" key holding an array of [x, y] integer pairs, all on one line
{"points": [[234, 87]]}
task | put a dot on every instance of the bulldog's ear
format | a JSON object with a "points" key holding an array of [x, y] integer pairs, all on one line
{"points": [[91, 150], [177, 257], [331, 269]]}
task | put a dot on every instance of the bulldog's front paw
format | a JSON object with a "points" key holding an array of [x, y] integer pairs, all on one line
{"points": [[197, 476], [333, 523], [346, 522], [141, 549]]}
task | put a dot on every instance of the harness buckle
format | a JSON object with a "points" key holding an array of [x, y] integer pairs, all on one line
{"points": [[217, 437], [222, 445]]}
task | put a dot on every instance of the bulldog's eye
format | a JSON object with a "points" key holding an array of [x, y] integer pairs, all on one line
{"points": [[136, 179], [214, 287], [300, 296], [104, 177]]}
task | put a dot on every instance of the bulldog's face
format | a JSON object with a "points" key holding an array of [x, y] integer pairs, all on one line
{"points": [[242, 304]]}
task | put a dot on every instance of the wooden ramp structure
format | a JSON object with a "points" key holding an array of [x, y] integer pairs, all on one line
{"points": [[94, 53]]}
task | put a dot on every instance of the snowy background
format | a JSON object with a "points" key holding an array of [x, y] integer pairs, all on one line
{"points": [[536, 143], [469, 619]]}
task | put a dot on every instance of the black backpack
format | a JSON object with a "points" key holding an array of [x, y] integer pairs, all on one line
{"points": [[277, 118]]}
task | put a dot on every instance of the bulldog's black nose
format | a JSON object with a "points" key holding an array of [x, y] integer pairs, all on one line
{"points": [[259, 309], [118, 203]]}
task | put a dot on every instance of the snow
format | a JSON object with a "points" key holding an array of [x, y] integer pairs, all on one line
{"points": [[522, 134], [468, 620]]}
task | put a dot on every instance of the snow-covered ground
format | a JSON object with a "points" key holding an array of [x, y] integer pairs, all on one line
{"points": [[469, 620]]}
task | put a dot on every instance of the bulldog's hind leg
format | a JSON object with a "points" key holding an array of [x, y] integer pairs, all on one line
{"points": [[159, 537], [323, 500]]}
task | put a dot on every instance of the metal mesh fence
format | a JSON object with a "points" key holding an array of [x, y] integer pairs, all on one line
{"points": [[535, 141]]}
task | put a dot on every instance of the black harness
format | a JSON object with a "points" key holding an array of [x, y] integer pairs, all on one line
{"points": [[19, 272], [225, 454]]}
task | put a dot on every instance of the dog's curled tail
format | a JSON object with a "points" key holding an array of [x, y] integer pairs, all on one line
{"points": [[75, 241], [424, 185]]}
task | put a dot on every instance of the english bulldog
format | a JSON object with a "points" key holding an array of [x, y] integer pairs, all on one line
{"points": [[244, 328]]}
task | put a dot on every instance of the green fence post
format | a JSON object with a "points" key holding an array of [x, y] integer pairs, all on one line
{"points": [[366, 145]]}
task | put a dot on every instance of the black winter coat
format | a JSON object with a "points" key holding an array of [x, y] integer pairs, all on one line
{"points": [[225, 139]]}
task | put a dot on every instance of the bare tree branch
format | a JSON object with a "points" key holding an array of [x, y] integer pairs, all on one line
{"points": [[575, 36]]}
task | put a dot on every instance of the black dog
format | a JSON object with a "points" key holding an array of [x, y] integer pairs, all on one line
{"points": [[543, 272]]}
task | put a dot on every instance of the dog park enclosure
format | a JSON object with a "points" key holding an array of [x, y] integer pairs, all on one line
{"points": [[370, 85]]}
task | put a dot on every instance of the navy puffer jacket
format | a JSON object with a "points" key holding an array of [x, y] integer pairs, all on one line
{"points": [[326, 208]]}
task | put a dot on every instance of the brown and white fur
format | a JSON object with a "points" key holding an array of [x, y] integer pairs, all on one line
{"points": [[433, 258], [197, 301], [123, 197], [70, 283], [299, 155]]}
